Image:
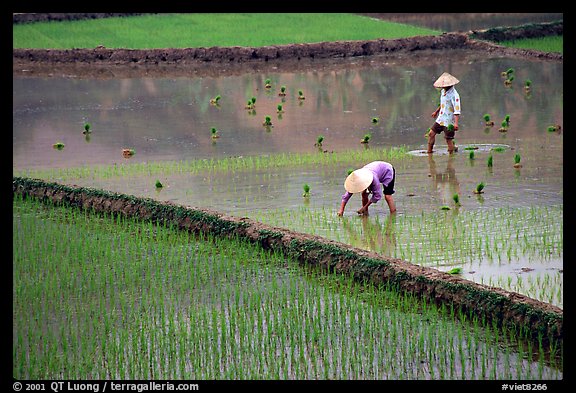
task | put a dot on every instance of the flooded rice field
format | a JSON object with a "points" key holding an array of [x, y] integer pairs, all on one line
{"points": [[513, 229]]}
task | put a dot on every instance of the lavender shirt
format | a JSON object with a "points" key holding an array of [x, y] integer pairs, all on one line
{"points": [[383, 174]]}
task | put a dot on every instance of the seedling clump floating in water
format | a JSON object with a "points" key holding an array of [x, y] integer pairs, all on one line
{"points": [[375, 120], [301, 95], [319, 141], [282, 91], [267, 83], [306, 189], [214, 101], [517, 161], [58, 145], [366, 138], [490, 161], [158, 184], [279, 109], [488, 121], [456, 199], [214, 132], [128, 152], [267, 121], [87, 127], [479, 188]]}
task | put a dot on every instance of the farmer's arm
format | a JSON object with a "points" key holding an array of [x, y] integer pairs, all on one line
{"points": [[456, 118], [345, 199], [376, 189]]}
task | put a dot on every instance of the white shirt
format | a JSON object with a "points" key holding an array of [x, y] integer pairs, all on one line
{"points": [[449, 106]]}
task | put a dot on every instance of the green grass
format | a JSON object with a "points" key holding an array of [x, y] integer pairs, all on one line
{"points": [[206, 30], [544, 44]]}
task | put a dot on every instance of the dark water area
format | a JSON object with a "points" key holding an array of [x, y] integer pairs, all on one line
{"points": [[451, 22]]}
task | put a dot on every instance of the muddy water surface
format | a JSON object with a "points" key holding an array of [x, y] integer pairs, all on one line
{"points": [[170, 119]]}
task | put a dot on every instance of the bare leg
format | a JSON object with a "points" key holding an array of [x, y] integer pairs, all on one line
{"points": [[431, 140], [450, 143], [365, 200], [391, 203]]}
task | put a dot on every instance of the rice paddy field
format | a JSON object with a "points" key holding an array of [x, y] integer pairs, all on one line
{"points": [[106, 297], [116, 298]]}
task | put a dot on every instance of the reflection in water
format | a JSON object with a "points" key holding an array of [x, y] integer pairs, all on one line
{"points": [[372, 235], [446, 182], [170, 118]]}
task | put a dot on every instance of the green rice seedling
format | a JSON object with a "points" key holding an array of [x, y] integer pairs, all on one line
{"points": [[479, 188], [306, 189], [507, 119], [450, 127], [375, 120], [159, 184], [301, 95], [87, 128], [517, 159], [58, 145], [366, 139], [490, 161], [471, 155], [509, 80], [319, 141], [487, 120], [456, 199], [214, 133], [249, 105], [445, 207], [498, 149], [282, 91], [268, 83], [554, 128], [456, 270], [279, 108], [267, 121], [527, 84], [215, 100], [427, 132], [504, 126]]}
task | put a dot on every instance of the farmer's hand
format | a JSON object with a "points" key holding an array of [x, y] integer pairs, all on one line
{"points": [[362, 211], [455, 127]]}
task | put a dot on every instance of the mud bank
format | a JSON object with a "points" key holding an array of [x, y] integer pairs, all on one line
{"points": [[104, 62], [506, 308]]}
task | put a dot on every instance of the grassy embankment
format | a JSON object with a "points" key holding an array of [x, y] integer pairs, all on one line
{"points": [[544, 44], [206, 30]]}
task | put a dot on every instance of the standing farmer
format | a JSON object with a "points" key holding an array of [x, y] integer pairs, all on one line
{"points": [[447, 113], [374, 178]]}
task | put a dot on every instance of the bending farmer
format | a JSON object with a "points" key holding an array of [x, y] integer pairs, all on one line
{"points": [[447, 114], [374, 178]]}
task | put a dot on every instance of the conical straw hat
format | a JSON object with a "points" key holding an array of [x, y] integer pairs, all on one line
{"points": [[445, 80], [359, 180]]}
